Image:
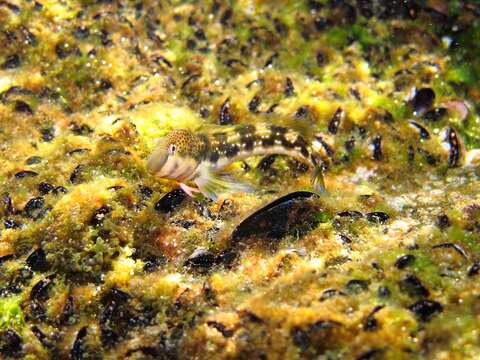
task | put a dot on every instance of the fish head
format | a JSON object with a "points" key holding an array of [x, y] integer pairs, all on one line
{"points": [[175, 156]]}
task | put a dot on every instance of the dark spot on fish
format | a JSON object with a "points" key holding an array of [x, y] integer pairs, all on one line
{"points": [[334, 123], [23, 107], [424, 134], [371, 324], [214, 156], [225, 118], [377, 148], [25, 173], [11, 62], [443, 221], [304, 152], [405, 260], [37, 260], [325, 146], [454, 143], [266, 163], [278, 131], [422, 101], [356, 286], [377, 217], [289, 88], [435, 114], [412, 285], [170, 201], [268, 141], [231, 150], [34, 208], [474, 269], [424, 310], [99, 214], [253, 104]]}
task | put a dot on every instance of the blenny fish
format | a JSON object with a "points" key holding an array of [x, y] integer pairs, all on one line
{"points": [[201, 157]]}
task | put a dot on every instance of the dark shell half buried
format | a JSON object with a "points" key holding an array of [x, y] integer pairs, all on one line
{"points": [[290, 214]]}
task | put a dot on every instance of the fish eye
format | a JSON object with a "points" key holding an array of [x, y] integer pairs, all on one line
{"points": [[171, 149]]}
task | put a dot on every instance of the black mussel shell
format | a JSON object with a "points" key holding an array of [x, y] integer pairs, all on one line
{"points": [[423, 101], [170, 201], [292, 213]]}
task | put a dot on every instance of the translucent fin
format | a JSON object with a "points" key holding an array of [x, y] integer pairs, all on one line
{"points": [[214, 184], [317, 180], [190, 191]]}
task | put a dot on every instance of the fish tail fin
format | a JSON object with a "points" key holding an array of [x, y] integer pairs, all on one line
{"points": [[317, 180]]}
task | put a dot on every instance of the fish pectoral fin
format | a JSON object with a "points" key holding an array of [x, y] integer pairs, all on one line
{"points": [[188, 189], [317, 180], [214, 184]]}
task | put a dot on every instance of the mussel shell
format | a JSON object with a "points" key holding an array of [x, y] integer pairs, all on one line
{"points": [[287, 215]]}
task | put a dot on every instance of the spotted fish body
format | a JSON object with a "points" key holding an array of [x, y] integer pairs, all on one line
{"points": [[186, 156]]}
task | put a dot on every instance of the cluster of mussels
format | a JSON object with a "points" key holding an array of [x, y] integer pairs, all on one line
{"points": [[99, 259]]}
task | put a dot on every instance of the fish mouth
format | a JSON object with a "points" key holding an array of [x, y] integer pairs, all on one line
{"points": [[157, 160]]}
